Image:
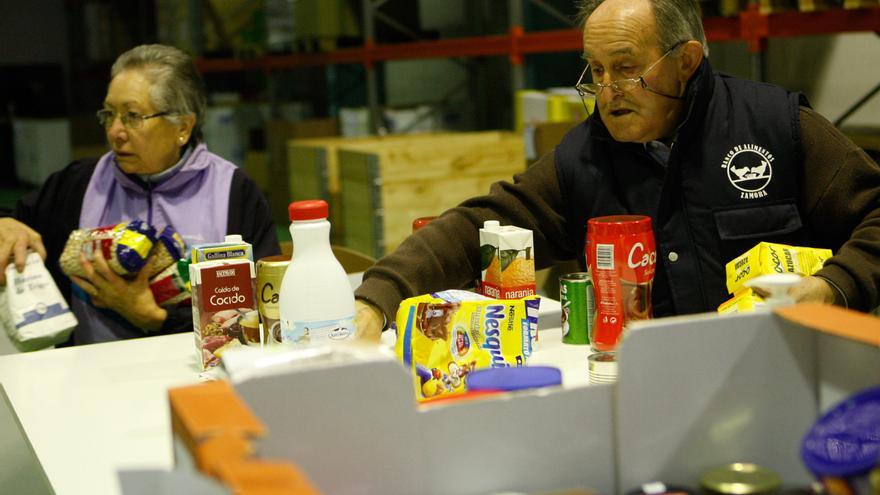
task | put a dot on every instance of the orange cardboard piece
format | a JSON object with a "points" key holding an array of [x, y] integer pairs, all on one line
{"points": [[211, 453], [833, 320], [263, 477], [212, 410]]}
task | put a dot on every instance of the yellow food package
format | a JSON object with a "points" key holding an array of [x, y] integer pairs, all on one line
{"points": [[767, 258], [443, 336], [745, 300]]}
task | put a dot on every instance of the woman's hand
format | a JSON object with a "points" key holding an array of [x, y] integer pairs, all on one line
{"points": [[15, 239], [132, 299]]}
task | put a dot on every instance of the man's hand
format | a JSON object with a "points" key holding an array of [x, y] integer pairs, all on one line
{"points": [[369, 321], [813, 289], [15, 239], [132, 299]]}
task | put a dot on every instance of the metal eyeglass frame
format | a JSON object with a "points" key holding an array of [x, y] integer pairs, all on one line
{"points": [[130, 120], [622, 85]]}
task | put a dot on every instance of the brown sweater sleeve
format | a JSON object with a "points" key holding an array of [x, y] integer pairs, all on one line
{"points": [[841, 186], [445, 253]]}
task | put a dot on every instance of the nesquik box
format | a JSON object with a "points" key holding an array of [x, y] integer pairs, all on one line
{"points": [[224, 307]]}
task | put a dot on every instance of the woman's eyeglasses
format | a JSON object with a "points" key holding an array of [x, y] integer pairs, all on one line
{"points": [[131, 120]]}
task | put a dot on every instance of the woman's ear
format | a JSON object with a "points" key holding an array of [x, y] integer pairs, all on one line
{"points": [[690, 59], [184, 130]]}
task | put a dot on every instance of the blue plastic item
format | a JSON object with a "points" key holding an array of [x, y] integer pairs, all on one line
{"points": [[845, 441], [509, 379]]}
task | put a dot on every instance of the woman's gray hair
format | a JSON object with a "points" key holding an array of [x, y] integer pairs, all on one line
{"points": [[676, 20], [177, 87]]}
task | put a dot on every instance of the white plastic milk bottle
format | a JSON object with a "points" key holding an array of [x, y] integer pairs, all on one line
{"points": [[316, 302]]}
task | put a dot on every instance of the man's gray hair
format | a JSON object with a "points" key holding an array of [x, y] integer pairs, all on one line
{"points": [[176, 86], [676, 20]]}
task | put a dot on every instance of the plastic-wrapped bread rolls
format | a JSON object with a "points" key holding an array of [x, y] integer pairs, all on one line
{"points": [[126, 247], [169, 248], [171, 286]]}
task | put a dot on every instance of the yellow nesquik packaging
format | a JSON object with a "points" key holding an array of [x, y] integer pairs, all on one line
{"points": [[443, 336], [768, 258]]}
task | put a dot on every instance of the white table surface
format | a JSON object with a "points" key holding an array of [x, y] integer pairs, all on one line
{"points": [[92, 410]]}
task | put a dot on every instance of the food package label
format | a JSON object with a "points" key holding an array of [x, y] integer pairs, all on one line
{"points": [[221, 251], [224, 307], [32, 309], [744, 301], [442, 337], [768, 258]]}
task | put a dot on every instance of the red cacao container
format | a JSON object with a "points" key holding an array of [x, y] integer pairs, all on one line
{"points": [[621, 257]]}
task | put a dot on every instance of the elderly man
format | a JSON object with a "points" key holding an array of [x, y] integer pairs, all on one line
{"points": [[672, 140]]}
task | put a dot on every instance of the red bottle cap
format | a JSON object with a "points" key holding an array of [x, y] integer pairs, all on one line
{"points": [[309, 209], [619, 224]]}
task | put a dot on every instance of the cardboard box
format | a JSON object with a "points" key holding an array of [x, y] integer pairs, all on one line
{"points": [[693, 393]]}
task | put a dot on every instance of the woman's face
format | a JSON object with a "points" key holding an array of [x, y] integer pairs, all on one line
{"points": [[154, 146]]}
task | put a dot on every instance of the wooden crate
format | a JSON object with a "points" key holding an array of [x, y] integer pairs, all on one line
{"points": [[383, 190], [314, 169]]}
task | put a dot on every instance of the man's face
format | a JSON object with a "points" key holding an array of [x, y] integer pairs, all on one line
{"points": [[620, 42]]}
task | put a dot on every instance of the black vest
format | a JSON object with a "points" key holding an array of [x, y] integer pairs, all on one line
{"points": [[731, 181]]}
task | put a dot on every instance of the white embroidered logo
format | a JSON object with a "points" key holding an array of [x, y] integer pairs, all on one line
{"points": [[749, 169]]}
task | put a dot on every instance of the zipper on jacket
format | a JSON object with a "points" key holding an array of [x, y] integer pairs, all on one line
{"points": [[149, 203]]}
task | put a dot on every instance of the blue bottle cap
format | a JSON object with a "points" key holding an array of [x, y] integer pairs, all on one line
{"points": [[845, 441], [508, 379]]}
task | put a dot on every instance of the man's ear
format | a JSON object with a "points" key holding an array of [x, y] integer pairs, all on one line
{"points": [[690, 59]]}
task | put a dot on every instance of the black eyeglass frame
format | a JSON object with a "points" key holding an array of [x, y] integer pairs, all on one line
{"points": [[594, 89]]}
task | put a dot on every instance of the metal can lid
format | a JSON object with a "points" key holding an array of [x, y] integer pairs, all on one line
{"points": [[516, 378], [576, 276], [740, 478], [276, 259], [844, 441], [603, 367]]}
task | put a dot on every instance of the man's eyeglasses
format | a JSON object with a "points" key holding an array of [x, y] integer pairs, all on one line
{"points": [[131, 120], [622, 85]]}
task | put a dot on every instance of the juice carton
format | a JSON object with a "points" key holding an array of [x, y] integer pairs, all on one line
{"points": [[508, 263], [224, 307], [767, 258]]}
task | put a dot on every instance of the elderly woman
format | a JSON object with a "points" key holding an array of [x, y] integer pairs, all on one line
{"points": [[158, 170]]}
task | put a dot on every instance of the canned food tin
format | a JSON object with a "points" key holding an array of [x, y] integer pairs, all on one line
{"points": [[578, 307], [270, 271], [740, 478]]}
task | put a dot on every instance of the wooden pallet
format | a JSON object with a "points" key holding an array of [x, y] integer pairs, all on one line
{"points": [[314, 165], [384, 189]]}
